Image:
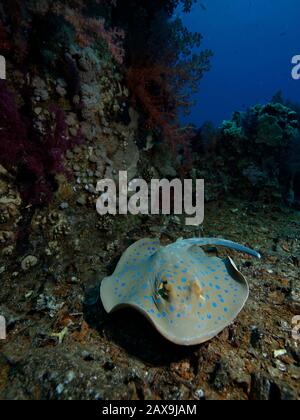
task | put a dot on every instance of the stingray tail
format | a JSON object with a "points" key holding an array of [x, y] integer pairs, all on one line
{"points": [[222, 242]]}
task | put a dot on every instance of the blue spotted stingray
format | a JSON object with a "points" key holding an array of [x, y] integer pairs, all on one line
{"points": [[188, 296]]}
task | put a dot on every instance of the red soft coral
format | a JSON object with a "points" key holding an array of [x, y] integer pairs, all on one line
{"points": [[89, 29], [152, 91]]}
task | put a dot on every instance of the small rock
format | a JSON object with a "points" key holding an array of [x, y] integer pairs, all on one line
{"points": [[73, 131], [220, 376], [278, 353], [70, 376], [199, 394], [61, 91], [59, 389], [37, 110], [93, 159], [295, 295], [260, 388], [256, 337], [81, 200], [280, 366], [29, 262], [64, 206], [69, 154]]}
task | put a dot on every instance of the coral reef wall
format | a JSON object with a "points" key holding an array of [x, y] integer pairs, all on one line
{"points": [[83, 100]]}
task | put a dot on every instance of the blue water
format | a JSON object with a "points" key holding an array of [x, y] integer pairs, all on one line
{"points": [[253, 43]]}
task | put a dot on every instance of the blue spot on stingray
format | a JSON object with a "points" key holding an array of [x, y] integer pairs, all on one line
{"points": [[214, 305], [179, 288], [158, 315], [183, 279], [200, 305], [218, 287], [185, 271], [172, 308], [208, 316], [178, 315], [225, 310], [164, 315]]}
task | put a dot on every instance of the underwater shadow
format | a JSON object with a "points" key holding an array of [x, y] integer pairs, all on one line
{"points": [[130, 330]]}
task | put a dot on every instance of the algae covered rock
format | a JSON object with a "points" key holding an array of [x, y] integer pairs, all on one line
{"points": [[257, 153], [273, 124]]}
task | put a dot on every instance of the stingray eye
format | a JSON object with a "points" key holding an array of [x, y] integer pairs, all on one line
{"points": [[163, 289]]}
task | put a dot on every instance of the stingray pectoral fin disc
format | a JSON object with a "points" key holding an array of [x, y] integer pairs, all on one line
{"points": [[240, 280], [137, 254], [188, 296], [130, 281], [107, 294]]}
